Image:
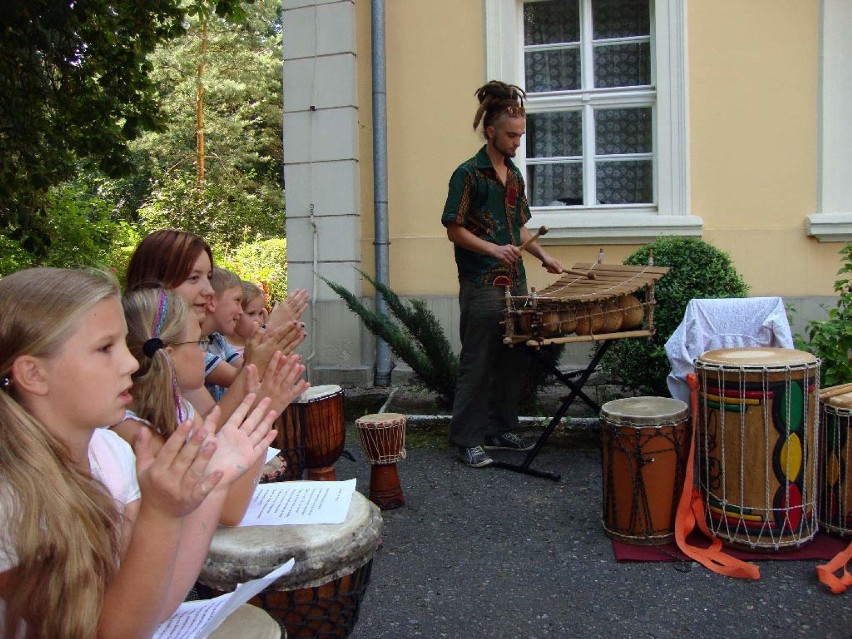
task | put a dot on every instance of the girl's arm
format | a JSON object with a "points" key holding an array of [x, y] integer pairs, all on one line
{"points": [[240, 443], [238, 495], [173, 484]]}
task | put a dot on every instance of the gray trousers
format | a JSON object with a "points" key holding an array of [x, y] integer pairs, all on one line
{"points": [[491, 375]]}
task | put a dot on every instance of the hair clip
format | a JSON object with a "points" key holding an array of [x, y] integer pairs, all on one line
{"points": [[151, 346]]}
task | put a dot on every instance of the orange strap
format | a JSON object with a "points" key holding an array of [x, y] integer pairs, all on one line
{"points": [[826, 575], [690, 512]]}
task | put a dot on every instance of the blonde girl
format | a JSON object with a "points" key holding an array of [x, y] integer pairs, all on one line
{"points": [[82, 554], [164, 337]]}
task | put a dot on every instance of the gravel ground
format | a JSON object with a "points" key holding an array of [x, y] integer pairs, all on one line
{"points": [[493, 553]]}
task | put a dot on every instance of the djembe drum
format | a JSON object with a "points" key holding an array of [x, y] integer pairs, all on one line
{"points": [[383, 438], [644, 449], [321, 595], [835, 466], [317, 417], [248, 622], [755, 445]]}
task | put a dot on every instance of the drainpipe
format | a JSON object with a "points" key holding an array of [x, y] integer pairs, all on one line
{"points": [[380, 182]]}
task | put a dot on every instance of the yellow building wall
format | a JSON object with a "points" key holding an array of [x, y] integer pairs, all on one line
{"points": [[752, 81]]}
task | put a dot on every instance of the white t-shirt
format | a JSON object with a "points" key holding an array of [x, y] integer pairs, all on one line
{"points": [[112, 462]]}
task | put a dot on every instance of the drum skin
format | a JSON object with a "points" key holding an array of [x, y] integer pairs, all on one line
{"points": [[644, 449], [835, 466], [321, 596], [755, 445]]}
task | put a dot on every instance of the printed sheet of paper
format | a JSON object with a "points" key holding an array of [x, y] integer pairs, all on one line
{"points": [[197, 619], [299, 502], [271, 452]]}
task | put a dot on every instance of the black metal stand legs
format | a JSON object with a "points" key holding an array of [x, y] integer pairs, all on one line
{"points": [[576, 388]]}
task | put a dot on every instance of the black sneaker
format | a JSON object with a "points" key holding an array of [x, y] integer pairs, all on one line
{"points": [[507, 441], [474, 457]]}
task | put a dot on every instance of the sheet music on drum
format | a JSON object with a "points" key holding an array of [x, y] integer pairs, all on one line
{"points": [[270, 453], [197, 619], [299, 502]]}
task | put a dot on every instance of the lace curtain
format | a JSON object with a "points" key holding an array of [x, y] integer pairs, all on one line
{"points": [[621, 57]]}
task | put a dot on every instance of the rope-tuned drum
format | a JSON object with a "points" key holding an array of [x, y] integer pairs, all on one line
{"points": [[756, 440], [644, 448], [383, 438], [835, 464], [618, 302]]}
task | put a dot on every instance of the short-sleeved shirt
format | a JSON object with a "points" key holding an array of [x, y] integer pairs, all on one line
{"points": [[218, 351], [112, 462], [480, 203]]}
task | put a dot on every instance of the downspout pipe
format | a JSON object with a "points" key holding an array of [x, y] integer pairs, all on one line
{"points": [[382, 375]]}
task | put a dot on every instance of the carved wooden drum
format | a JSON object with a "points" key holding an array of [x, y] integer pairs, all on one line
{"points": [[321, 596], [755, 445], [644, 449], [317, 417], [383, 438]]}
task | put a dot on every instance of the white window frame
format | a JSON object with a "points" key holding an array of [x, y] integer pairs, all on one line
{"points": [[615, 224], [832, 221]]}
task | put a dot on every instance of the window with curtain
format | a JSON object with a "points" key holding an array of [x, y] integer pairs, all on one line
{"points": [[589, 75]]}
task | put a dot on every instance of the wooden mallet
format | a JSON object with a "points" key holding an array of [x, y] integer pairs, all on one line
{"points": [[542, 230]]}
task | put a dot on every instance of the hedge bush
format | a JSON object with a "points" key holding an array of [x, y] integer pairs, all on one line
{"points": [[698, 270]]}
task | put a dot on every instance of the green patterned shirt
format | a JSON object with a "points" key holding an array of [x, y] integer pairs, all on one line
{"points": [[479, 202]]}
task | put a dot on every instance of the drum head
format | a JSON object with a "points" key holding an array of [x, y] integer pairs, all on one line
{"points": [[318, 392], [758, 357], [644, 410], [841, 401], [380, 418], [322, 551]]}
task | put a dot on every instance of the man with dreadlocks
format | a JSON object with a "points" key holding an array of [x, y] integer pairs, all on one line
{"points": [[485, 213]]}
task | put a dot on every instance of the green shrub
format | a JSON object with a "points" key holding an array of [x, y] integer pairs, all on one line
{"points": [[263, 262], [417, 338], [698, 270], [831, 340], [81, 230]]}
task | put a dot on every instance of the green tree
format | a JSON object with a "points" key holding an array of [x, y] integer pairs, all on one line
{"points": [[236, 69], [76, 89]]}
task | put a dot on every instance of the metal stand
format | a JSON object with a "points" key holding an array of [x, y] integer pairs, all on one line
{"points": [[576, 387]]}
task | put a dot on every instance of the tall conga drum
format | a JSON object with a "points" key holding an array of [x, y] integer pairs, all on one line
{"points": [[756, 445], [321, 596], [383, 438], [644, 449], [317, 416], [835, 466]]}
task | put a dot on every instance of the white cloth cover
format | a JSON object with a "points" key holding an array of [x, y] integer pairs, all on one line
{"points": [[725, 323]]}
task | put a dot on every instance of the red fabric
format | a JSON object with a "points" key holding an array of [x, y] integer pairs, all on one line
{"points": [[821, 547]]}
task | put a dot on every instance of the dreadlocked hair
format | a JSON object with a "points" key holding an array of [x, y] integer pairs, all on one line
{"points": [[494, 98]]}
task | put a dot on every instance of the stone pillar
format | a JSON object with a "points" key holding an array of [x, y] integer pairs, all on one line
{"points": [[321, 179]]}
